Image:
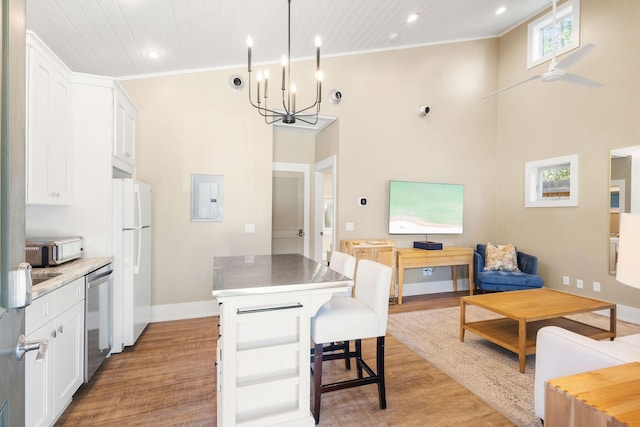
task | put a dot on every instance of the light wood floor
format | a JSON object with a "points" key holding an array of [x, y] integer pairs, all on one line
{"points": [[168, 379]]}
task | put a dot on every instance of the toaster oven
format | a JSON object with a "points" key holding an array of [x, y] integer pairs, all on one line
{"points": [[45, 252]]}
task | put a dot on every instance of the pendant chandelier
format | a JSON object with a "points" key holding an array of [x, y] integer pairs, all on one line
{"points": [[289, 114]]}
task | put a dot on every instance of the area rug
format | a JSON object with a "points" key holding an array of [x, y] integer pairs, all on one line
{"points": [[487, 370]]}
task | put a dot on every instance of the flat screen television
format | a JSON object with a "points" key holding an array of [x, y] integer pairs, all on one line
{"points": [[425, 208]]}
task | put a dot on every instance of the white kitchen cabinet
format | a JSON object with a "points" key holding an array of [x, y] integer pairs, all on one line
{"points": [[124, 141], [48, 105], [57, 317], [263, 360], [38, 381]]}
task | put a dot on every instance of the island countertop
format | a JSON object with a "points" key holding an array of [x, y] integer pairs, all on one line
{"points": [[65, 273], [260, 274]]}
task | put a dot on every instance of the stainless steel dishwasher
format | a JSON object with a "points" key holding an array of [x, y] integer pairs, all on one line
{"points": [[97, 320]]}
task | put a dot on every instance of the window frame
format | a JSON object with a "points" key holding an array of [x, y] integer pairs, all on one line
{"points": [[534, 56], [533, 191]]}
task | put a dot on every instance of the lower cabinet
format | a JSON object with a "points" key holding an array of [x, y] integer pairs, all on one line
{"points": [[50, 383], [263, 359]]}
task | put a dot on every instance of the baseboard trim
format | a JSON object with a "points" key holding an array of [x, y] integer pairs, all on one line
{"points": [[192, 310], [624, 313], [187, 310]]}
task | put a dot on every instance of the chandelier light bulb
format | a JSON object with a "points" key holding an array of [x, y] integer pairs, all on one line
{"points": [[293, 98], [265, 73], [258, 79], [249, 44], [318, 41], [319, 75]]}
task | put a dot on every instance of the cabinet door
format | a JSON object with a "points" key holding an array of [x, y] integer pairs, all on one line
{"points": [[47, 132], [364, 253], [130, 135], [124, 129], [39, 381], [69, 355]]}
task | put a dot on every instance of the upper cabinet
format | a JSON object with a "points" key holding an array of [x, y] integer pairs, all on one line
{"points": [[124, 141], [48, 105]]}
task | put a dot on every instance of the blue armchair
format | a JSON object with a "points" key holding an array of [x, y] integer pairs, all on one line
{"points": [[526, 278]]}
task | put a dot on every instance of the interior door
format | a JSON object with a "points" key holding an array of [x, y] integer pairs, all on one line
{"points": [[288, 213], [325, 209], [12, 202]]}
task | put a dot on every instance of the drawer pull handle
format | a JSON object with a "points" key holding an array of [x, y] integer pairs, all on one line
{"points": [[261, 310]]}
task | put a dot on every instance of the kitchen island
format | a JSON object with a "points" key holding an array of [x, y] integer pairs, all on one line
{"points": [[266, 302]]}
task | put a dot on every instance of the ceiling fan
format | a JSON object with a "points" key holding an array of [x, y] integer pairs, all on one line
{"points": [[556, 70]]}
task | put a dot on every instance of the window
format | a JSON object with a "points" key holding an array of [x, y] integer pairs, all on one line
{"points": [[552, 182], [540, 33]]}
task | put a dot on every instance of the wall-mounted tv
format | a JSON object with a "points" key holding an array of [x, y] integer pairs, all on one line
{"points": [[425, 208]]}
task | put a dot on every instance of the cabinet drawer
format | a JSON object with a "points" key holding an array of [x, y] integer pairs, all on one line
{"points": [[68, 295], [38, 314]]}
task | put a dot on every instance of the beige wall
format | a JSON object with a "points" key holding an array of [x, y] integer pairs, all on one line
{"points": [[544, 120], [196, 124], [382, 138]]}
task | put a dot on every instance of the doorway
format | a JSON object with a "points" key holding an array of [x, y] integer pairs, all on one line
{"points": [[290, 209], [325, 209]]}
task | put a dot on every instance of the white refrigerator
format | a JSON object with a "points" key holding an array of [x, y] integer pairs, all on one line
{"points": [[132, 253]]}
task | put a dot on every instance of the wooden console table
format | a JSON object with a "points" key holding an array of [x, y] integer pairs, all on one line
{"points": [[378, 250], [420, 258], [603, 398]]}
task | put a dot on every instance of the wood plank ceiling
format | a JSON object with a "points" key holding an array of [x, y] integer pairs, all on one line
{"points": [[112, 37]]}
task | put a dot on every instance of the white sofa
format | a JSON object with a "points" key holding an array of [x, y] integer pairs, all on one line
{"points": [[560, 352]]}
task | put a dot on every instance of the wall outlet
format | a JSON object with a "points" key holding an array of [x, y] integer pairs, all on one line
{"points": [[565, 280], [428, 271], [349, 226], [249, 228], [579, 283], [596, 286]]}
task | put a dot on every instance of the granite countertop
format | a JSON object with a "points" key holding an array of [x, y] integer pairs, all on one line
{"points": [[64, 273]]}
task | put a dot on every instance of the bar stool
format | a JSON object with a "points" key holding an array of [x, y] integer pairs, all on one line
{"points": [[344, 264], [354, 318]]}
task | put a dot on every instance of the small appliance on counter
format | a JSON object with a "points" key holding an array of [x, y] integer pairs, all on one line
{"points": [[45, 252]]}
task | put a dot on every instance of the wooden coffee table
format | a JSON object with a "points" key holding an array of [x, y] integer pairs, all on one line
{"points": [[527, 311]]}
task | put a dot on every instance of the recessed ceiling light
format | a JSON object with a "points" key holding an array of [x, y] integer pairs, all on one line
{"points": [[393, 37], [152, 53], [501, 10], [412, 17]]}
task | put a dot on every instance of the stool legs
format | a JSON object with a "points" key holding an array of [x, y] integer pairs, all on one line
{"points": [[382, 395], [317, 381], [372, 378]]}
